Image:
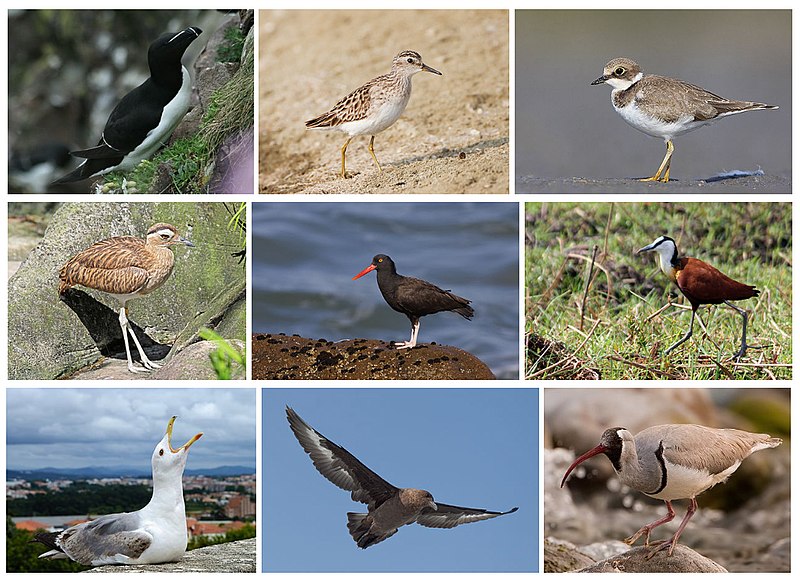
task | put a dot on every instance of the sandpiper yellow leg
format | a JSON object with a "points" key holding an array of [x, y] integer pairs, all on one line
{"points": [[344, 149], [372, 151], [664, 167]]}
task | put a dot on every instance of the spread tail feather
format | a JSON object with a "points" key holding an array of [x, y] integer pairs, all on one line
{"points": [[359, 525], [48, 539]]}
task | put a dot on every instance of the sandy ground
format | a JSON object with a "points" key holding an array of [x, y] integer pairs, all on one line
{"points": [[452, 138]]}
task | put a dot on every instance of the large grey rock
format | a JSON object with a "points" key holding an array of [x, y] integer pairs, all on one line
{"points": [[238, 556], [282, 357], [51, 337], [683, 559]]}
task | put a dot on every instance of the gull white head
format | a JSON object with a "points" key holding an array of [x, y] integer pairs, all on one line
{"points": [[667, 252]]}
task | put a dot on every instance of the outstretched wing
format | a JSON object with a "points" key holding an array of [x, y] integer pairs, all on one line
{"points": [[447, 516], [339, 466]]}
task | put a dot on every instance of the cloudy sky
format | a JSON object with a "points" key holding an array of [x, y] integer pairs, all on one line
{"points": [[71, 428], [469, 447]]}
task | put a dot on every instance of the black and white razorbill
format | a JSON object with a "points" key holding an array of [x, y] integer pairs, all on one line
{"points": [[144, 118]]}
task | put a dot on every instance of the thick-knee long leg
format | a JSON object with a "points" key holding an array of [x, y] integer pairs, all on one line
{"points": [[670, 543], [651, 526], [126, 328], [685, 337]]}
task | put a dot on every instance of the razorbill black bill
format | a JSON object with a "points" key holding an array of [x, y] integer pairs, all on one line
{"points": [[144, 119]]}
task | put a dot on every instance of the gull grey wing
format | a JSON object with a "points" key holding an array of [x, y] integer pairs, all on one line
{"points": [[447, 516], [341, 468], [110, 539]]}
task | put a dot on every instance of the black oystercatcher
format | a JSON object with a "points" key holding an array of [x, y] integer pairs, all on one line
{"points": [[413, 297]]}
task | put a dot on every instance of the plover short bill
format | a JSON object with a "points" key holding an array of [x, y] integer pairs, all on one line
{"points": [[664, 107], [375, 105]]}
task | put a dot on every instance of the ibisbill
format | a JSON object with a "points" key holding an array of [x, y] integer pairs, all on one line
{"points": [[701, 284], [674, 461]]}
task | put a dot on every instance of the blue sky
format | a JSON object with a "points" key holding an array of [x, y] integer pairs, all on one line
{"points": [[80, 427], [469, 447]]}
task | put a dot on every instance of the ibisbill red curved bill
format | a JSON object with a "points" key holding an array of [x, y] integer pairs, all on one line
{"points": [[587, 455]]}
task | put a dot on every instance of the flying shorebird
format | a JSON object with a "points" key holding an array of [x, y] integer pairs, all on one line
{"points": [[413, 297], [125, 267], [375, 105], [664, 107], [701, 284], [389, 507], [674, 461], [153, 535]]}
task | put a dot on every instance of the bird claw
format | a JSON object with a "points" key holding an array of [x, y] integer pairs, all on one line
{"points": [[147, 366], [137, 369], [402, 345], [630, 540], [670, 543]]}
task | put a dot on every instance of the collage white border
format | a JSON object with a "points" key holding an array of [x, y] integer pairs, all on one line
{"points": [[511, 6]]}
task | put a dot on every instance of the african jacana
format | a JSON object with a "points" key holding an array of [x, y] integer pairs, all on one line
{"points": [[701, 284]]}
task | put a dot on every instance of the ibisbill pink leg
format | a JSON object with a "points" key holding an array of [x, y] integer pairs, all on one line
{"points": [[674, 461]]}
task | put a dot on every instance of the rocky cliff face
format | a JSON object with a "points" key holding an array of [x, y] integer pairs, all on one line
{"points": [[52, 336]]}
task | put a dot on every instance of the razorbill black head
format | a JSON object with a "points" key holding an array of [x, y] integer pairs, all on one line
{"points": [[144, 119]]}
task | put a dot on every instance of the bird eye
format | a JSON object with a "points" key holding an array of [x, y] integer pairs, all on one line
{"points": [[619, 71], [161, 452], [410, 60], [380, 260]]}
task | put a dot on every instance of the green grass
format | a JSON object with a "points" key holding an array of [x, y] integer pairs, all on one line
{"points": [[615, 328]]}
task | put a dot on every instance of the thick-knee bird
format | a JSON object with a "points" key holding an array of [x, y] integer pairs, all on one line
{"points": [[413, 297], [674, 461], [701, 284], [125, 267]]}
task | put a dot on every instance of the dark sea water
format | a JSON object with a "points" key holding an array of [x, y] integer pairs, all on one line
{"points": [[305, 255]]}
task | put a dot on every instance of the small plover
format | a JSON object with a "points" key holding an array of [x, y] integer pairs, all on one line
{"points": [[375, 105], [664, 107]]}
